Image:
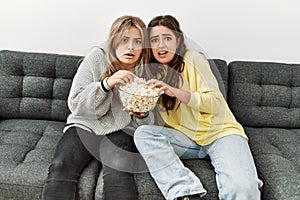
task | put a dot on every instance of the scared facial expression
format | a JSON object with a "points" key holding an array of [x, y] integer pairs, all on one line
{"points": [[129, 49], [163, 44]]}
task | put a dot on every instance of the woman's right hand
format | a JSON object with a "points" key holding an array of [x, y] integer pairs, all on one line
{"points": [[120, 77]]}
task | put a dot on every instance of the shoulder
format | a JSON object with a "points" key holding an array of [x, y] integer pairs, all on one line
{"points": [[195, 57], [96, 52], [93, 61], [95, 57], [191, 55]]}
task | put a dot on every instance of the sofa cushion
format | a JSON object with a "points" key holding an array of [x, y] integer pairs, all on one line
{"points": [[263, 94], [265, 98], [33, 91], [26, 150], [35, 85], [276, 152]]}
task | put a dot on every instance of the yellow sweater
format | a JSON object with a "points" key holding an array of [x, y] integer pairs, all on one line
{"points": [[207, 116]]}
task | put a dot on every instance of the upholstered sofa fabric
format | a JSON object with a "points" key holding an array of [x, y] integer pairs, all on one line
{"points": [[33, 91], [265, 98], [35, 85], [268, 92]]}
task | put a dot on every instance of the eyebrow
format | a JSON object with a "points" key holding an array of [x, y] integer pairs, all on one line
{"points": [[164, 34], [133, 38]]}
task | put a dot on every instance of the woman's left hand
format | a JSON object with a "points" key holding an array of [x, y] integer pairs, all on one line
{"points": [[180, 94]]}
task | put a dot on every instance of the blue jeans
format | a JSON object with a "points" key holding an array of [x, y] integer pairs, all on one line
{"points": [[163, 148]]}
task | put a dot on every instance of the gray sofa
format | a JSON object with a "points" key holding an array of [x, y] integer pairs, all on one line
{"points": [[265, 98]]}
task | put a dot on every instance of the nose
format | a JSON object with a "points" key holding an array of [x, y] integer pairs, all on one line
{"points": [[161, 43], [130, 45]]}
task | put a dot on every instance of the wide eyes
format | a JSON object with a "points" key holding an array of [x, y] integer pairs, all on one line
{"points": [[136, 41], [168, 38], [155, 40]]}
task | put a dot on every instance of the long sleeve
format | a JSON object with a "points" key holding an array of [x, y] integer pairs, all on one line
{"points": [[94, 108], [205, 93], [86, 97], [207, 116]]}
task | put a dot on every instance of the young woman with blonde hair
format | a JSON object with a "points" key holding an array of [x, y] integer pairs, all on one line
{"points": [[98, 126]]}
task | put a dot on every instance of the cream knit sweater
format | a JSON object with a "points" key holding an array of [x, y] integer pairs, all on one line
{"points": [[91, 107]]}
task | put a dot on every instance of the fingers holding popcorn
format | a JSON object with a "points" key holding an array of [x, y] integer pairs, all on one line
{"points": [[163, 87], [120, 77], [138, 98]]}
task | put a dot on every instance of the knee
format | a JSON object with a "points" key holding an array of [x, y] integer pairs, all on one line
{"points": [[147, 136], [57, 165], [244, 189], [61, 169], [141, 134], [141, 131], [145, 132]]}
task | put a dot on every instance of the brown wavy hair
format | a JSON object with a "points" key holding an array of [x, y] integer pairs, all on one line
{"points": [[171, 77], [117, 31]]}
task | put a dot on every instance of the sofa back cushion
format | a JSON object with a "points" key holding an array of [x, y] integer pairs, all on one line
{"points": [[35, 85], [265, 94]]}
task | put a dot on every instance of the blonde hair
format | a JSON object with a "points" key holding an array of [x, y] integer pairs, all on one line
{"points": [[117, 31]]}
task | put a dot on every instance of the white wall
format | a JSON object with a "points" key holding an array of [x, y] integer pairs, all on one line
{"points": [[266, 30]]}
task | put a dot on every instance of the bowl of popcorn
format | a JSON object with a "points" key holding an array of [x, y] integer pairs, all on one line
{"points": [[139, 97]]}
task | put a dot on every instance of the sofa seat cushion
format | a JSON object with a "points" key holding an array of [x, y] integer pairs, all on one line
{"points": [[276, 152], [26, 150]]}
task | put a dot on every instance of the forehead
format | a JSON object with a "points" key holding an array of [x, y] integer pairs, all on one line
{"points": [[132, 31], [160, 30]]}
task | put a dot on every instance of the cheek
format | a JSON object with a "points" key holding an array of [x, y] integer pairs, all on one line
{"points": [[155, 54], [119, 52], [139, 53], [153, 50]]}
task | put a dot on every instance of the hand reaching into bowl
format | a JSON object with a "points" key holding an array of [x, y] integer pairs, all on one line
{"points": [[137, 97], [120, 77]]}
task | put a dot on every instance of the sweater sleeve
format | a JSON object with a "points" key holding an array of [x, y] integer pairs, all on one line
{"points": [[205, 93], [86, 97]]}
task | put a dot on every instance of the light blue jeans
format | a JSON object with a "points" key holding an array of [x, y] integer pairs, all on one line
{"points": [[162, 149]]}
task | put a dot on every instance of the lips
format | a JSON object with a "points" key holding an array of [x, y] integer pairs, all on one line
{"points": [[162, 53], [129, 54]]}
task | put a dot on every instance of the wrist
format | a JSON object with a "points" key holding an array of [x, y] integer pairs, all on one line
{"points": [[108, 83], [104, 85]]}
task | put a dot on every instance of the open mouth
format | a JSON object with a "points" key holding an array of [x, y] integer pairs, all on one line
{"points": [[129, 54], [162, 52]]}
